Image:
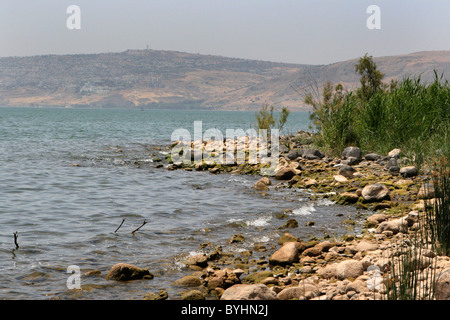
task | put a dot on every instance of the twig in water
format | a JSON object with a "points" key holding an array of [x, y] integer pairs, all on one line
{"points": [[123, 220], [15, 239], [139, 227]]}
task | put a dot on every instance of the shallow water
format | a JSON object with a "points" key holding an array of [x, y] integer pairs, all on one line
{"points": [[68, 177]]}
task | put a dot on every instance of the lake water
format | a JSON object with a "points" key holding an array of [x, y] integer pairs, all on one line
{"points": [[69, 176]]}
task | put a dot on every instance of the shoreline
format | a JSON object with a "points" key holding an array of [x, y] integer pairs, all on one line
{"points": [[354, 267]]}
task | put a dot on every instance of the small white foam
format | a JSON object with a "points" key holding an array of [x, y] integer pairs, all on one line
{"points": [[304, 210], [259, 222]]}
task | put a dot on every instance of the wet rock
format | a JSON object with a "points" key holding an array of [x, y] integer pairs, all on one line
{"points": [[348, 198], [125, 272], [161, 295], [188, 281], [307, 182], [198, 260], [408, 172], [258, 277], [285, 173], [287, 254], [291, 223], [287, 237], [236, 238], [354, 152], [347, 171], [262, 184], [375, 192], [223, 278], [249, 292], [193, 295]]}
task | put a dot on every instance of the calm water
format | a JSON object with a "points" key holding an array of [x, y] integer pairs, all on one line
{"points": [[68, 177]]}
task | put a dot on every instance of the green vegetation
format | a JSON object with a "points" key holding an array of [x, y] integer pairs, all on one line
{"points": [[265, 118], [378, 117]]}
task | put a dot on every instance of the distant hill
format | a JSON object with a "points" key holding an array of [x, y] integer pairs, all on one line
{"points": [[169, 79]]}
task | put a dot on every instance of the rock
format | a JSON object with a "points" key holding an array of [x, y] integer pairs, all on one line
{"points": [[291, 223], [287, 237], [350, 161], [340, 178], [349, 269], [395, 153], [299, 292], [125, 272], [260, 186], [287, 254], [193, 295], [347, 171], [375, 192], [199, 260], [188, 281], [357, 286], [347, 198], [257, 277], [307, 182], [236, 238], [292, 155], [426, 191], [354, 152], [376, 219], [408, 172], [266, 181], [249, 292], [395, 226], [364, 245], [392, 162], [285, 173], [223, 278], [161, 295], [312, 154], [372, 157], [442, 290]]}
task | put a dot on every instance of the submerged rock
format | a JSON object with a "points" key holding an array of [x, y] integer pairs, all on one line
{"points": [[125, 272]]}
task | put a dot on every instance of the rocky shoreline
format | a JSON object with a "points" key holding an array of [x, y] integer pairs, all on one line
{"points": [[354, 267]]}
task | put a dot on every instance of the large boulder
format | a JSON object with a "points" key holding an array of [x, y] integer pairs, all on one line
{"points": [[248, 292], [353, 152], [126, 272], [375, 192], [287, 254]]}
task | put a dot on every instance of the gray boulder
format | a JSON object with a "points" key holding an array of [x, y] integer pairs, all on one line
{"points": [[354, 152]]}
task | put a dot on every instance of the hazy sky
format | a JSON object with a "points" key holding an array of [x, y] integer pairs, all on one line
{"points": [[298, 31]]}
